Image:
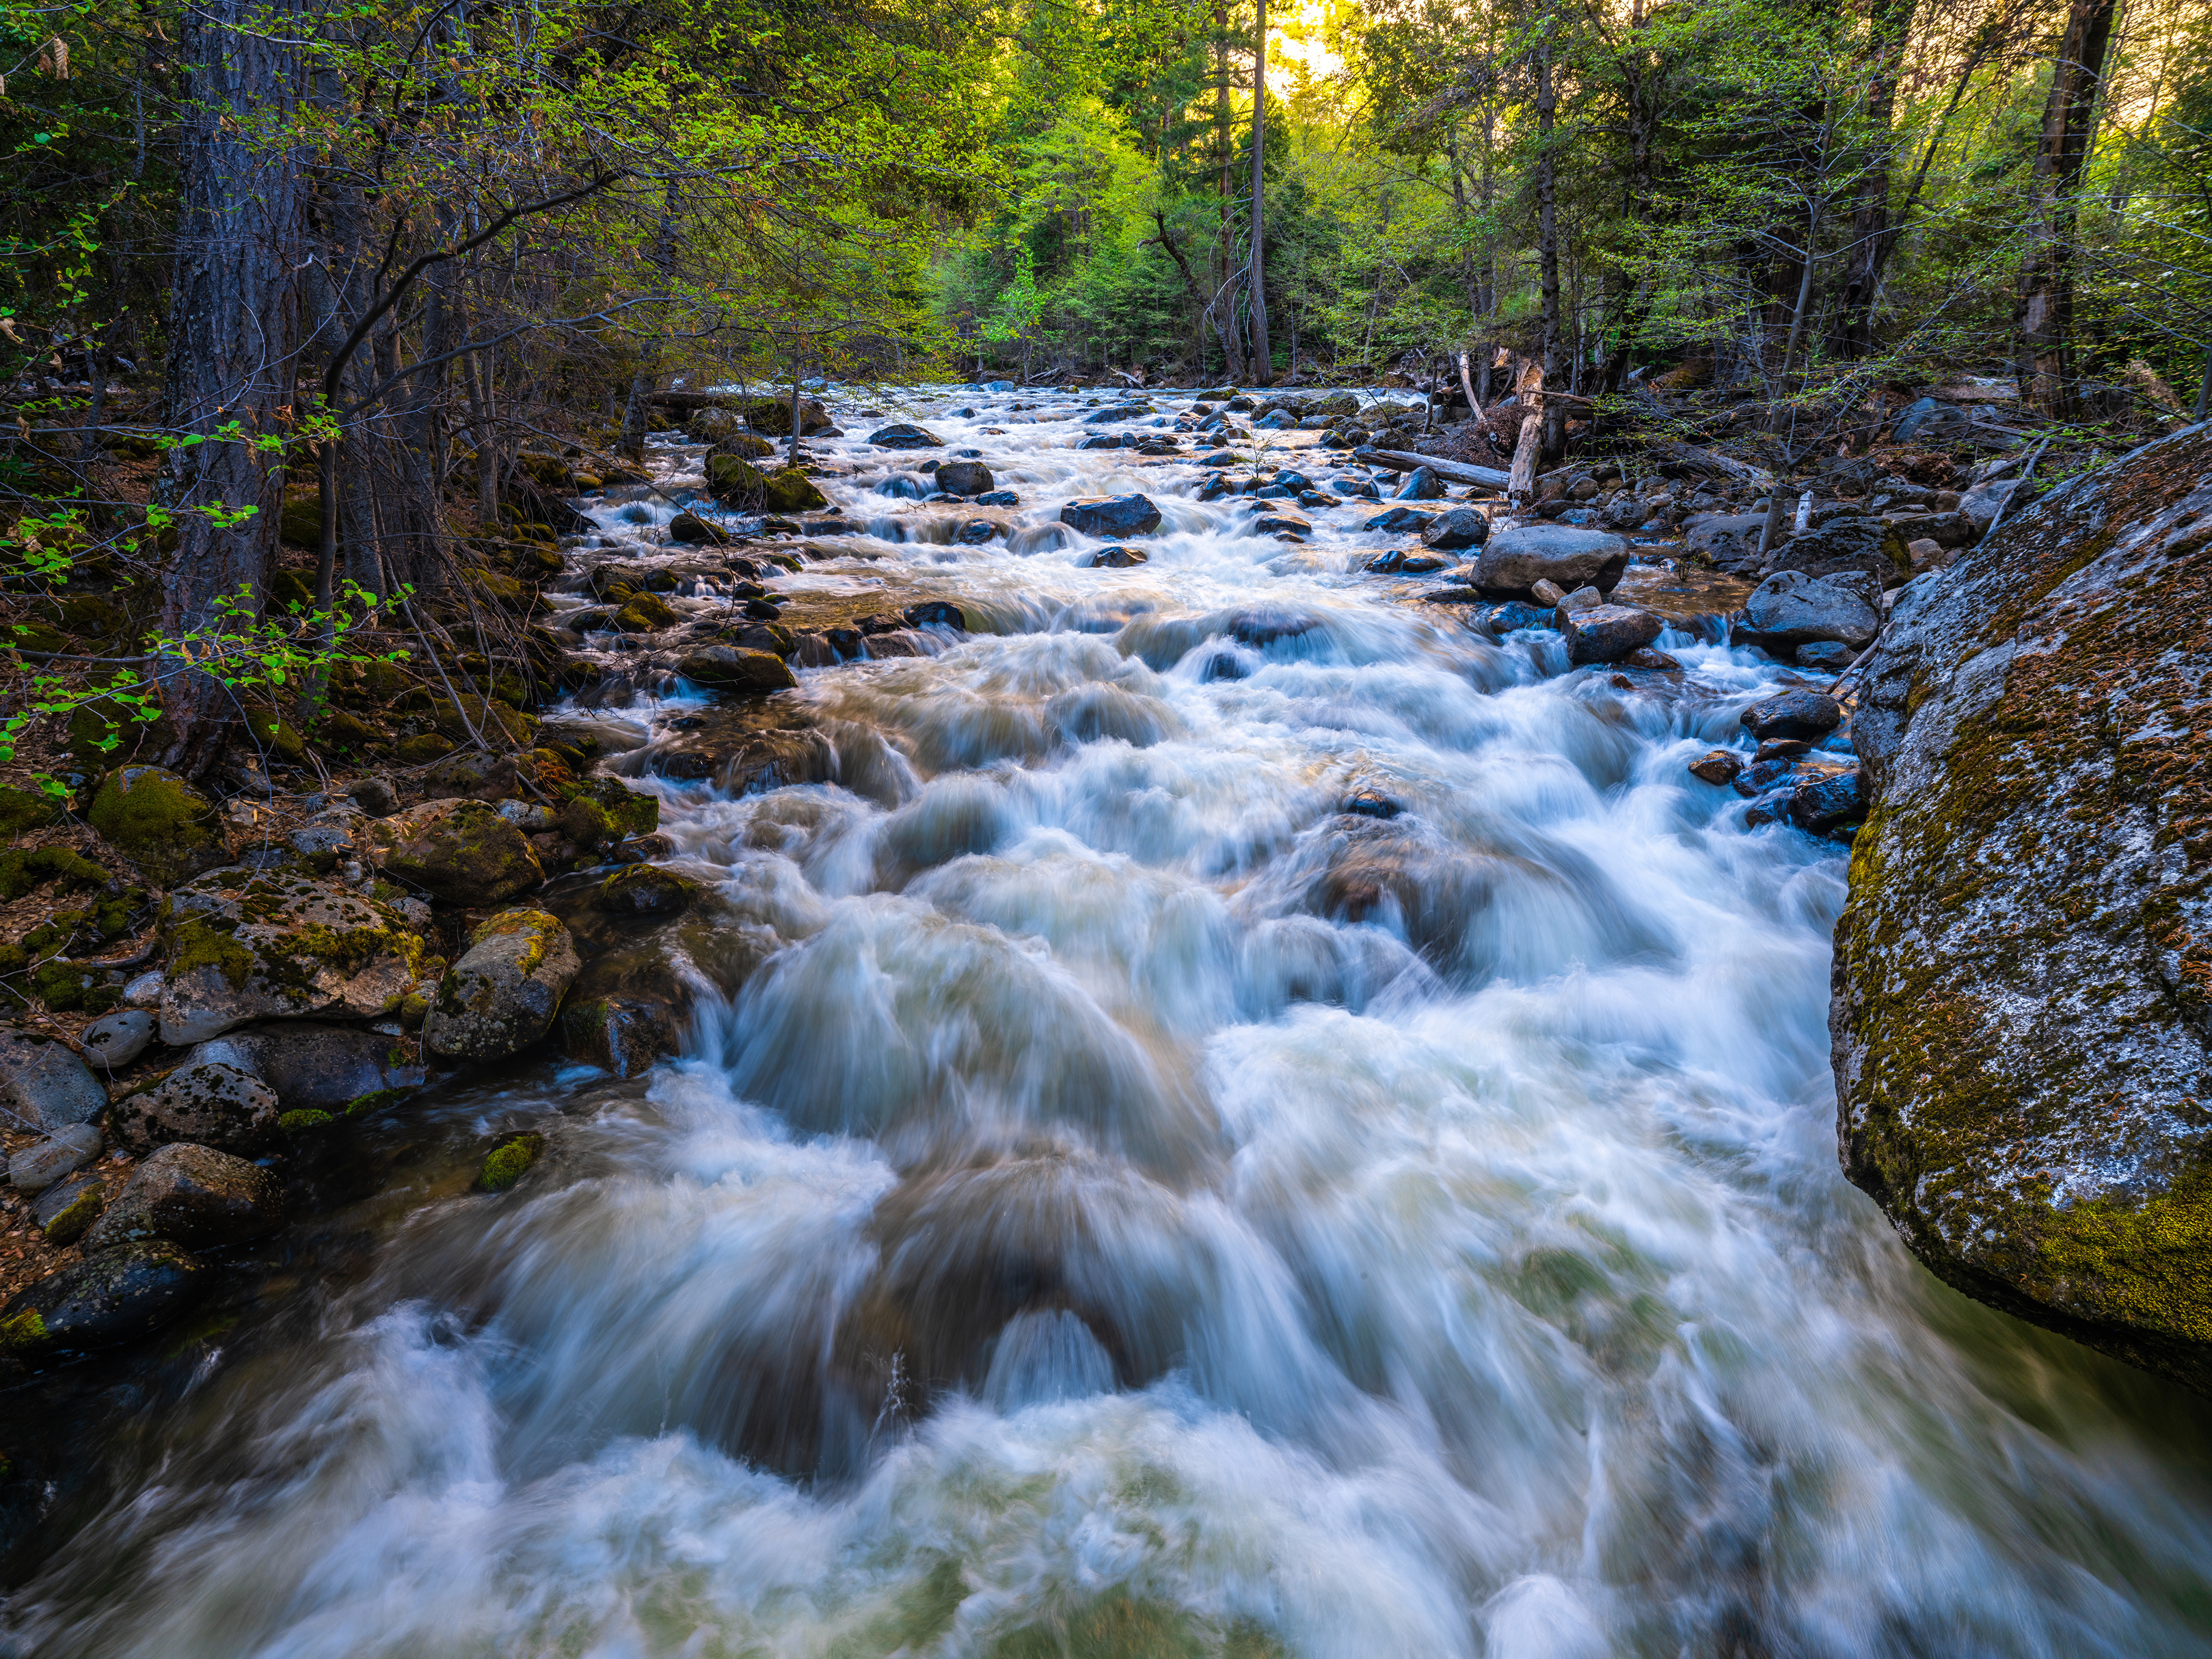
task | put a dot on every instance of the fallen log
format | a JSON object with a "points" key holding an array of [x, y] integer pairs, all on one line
{"points": [[1400, 460], [1710, 461]]}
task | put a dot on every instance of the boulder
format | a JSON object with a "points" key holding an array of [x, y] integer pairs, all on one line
{"points": [[44, 1083], [112, 1296], [1116, 557], [1825, 657], [734, 482], [1867, 546], [1823, 803], [1113, 412], [502, 994], [1280, 524], [1457, 527], [119, 1038], [904, 434], [246, 945], [1398, 519], [314, 1066], [205, 1102], [1111, 515], [1791, 607], [1982, 504], [1944, 529], [773, 415], [1422, 484], [376, 796], [1515, 560], [1718, 766], [2023, 970], [1731, 540], [1606, 633], [691, 529], [792, 491], [728, 668], [160, 823], [646, 890], [1921, 421], [1793, 714], [194, 1196], [460, 852], [965, 479], [43, 1163], [63, 1211]]}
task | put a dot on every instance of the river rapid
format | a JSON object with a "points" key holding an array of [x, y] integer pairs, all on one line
{"points": [[1139, 1208]]}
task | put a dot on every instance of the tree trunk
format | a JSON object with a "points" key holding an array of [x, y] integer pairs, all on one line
{"points": [[1262, 361], [643, 382], [1889, 24], [2045, 314], [1547, 243], [234, 333]]}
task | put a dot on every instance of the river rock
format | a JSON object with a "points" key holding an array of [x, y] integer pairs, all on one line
{"points": [[1397, 521], [1113, 412], [1731, 540], [2023, 972], [1719, 766], [165, 826], [1793, 714], [1516, 559], [1606, 633], [111, 1296], [1456, 528], [119, 1038], [730, 668], [502, 994], [965, 479], [1791, 609], [1867, 546], [45, 1083], [904, 434], [1823, 803], [1825, 657], [1111, 515], [43, 1163], [194, 1196], [646, 890], [1422, 484], [206, 1102], [314, 1066], [459, 852], [246, 945], [65, 1210]]}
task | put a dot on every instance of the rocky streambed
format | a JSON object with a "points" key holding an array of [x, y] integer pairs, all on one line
{"points": [[1097, 1027]]}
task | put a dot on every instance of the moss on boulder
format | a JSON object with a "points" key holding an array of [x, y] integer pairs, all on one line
{"points": [[793, 491], [502, 995], [2023, 974], [459, 852], [159, 822]]}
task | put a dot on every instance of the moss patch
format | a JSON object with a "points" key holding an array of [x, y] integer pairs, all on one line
{"points": [[168, 828], [507, 1162]]}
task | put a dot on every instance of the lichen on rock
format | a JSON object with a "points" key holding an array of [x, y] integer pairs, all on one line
{"points": [[2023, 974], [502, 995]]}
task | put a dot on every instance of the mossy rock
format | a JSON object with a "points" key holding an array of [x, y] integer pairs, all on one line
{"points": [[793, 491], [773, 415], [509, 1161], [33, 636], [342, 729], [493, 720], [23, 811], [632, 813], [159, 822], [301, 522], [105, 732], [735, 482], [745, 446], [499, 588], [277, 737], [66, 986], [647, 613], [421, 749], [24, 870], [533, 560]]}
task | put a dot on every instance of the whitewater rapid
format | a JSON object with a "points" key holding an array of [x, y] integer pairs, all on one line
{"points": [[1138, 1208]]}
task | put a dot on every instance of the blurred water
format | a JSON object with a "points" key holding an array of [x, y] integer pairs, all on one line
{"points": [[1139, 1209]]}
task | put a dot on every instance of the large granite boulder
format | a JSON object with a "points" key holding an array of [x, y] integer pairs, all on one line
{"points": [[314, 1066], [1791, 607], [207, 1102], [1515, 560], [2023, 974], [1111, 515], [459, 852], [246, 945], [502, 994]]}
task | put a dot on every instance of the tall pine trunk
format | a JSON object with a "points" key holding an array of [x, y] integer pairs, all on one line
{"points": [[2045, 314], [1263, 369], [1889, 23], [234, 340], [1547, 248]]}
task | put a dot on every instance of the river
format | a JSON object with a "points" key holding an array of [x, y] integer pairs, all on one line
{"points": [[1138, 1208]]}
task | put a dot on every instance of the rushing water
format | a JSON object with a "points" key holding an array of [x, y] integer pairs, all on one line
{"points": [[1137, 1209]]}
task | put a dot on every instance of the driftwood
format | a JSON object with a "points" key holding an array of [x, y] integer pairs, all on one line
{"points": [[1709, 461], [1520, 482], [1400, 460]]}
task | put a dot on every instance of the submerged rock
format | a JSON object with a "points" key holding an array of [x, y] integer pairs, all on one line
{"points": [[2023, 974]]}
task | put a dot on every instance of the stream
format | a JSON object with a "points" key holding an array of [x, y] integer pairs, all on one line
{"points": [[1137, 1207]]}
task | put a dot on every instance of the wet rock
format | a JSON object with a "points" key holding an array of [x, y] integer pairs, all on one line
{"points": [[315, 1067], [502, 994], [744, 762], [193, 1196], [1731, 540], [904, 434], [792, 491], [1458, 527], [646, 890], [1823, 803], [1606, 633], [1281, 524], [43, 1163], [1867, 546], [205, 1102], [1397, 521], [1516, 559], [1370, 804], [1422, 484], [772, 415], [1793, 714], [1761, 776], [1825, 657], [1113, 412], [163, 825], [1513, 616], [459, 852], [1791, 609], [111, 1296], [998, 498], [2022, 968], [1111, 515], [624, 1034], [246, 945], [935, 613], [1221, 666], [1787, 748], [509, 1161], [965, 479], [690, 529], [66, 1210], [731, 668], [1548, 593], [474, 774], [1116, 557], [119, 1038], [1720, 766], [44, 1082], [1424, 564]]}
